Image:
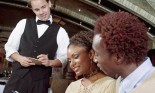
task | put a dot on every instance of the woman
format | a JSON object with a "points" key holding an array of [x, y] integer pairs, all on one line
{"points": [[80, 55]]}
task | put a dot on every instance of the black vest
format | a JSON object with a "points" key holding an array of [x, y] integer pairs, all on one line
{"points": [[32, 46]]}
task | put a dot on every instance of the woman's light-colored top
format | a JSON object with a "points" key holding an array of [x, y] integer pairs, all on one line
{"points": [[103, 85]]}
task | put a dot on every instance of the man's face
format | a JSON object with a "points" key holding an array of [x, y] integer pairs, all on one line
{"points": [[41, 8], [104, 60]]}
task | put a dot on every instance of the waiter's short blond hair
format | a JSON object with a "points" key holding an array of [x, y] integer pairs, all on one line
{"points": [[29, 2]]}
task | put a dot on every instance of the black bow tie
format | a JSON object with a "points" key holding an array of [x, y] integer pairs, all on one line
{"points": [[39, 22]]}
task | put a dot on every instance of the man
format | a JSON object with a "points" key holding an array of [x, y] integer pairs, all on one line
{"points": [[120, 44], [35, 40]]}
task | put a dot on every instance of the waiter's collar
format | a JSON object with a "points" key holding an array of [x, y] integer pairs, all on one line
{"points": [[51, 20]]}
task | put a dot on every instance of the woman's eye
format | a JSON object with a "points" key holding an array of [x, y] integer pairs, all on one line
{"points": [[76, 56]]}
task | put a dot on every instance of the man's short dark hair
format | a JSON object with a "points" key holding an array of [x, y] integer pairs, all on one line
{"points": [[124, 34]]}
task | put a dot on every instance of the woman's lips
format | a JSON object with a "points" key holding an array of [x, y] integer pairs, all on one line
{"points": [[75, 69]]}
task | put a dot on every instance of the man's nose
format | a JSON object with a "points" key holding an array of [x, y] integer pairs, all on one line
{"points": [[41, 11]]}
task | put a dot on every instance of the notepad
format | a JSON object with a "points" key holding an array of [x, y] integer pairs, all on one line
{"points": [[36, 61]]}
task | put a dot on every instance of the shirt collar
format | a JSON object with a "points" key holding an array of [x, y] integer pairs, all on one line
{"points": [[50, 18], [137, 76]]}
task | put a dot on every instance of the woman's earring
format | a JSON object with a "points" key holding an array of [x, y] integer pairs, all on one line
{"points": [[91, 54]]}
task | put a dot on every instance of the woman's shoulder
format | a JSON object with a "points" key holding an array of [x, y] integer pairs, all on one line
{"points": [[76, 82], [106, 81], [73, 86], [106, 84]]}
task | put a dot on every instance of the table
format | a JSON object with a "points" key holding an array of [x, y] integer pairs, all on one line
{"points": [[2, 88], [3, 81]]}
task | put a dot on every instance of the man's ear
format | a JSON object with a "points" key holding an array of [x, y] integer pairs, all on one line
{"points": [[91, 54], [118, 58]]}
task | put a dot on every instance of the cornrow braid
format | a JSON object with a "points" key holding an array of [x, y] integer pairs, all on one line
{"points": [[83, 38]]}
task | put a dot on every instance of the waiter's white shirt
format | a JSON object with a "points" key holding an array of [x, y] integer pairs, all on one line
{"points": [[136, 77], [13, 42]]}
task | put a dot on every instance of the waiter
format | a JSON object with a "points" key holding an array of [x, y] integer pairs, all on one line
{"points": [[38, 38]]}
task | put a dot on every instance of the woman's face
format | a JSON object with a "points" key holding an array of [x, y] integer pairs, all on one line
{"points": [[79, 59]]}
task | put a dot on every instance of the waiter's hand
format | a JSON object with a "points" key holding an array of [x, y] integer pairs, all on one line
{"points": [[25, 61], [44, 59]]}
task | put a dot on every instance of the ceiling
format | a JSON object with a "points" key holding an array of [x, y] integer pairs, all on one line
{"points": [[74, 15]]}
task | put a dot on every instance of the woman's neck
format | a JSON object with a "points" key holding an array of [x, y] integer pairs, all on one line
{"points": [[95, 77]]}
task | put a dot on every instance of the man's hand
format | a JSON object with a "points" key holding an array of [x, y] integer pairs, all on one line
{"points": [[46, 62], [24, 61], [44, 59]]}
